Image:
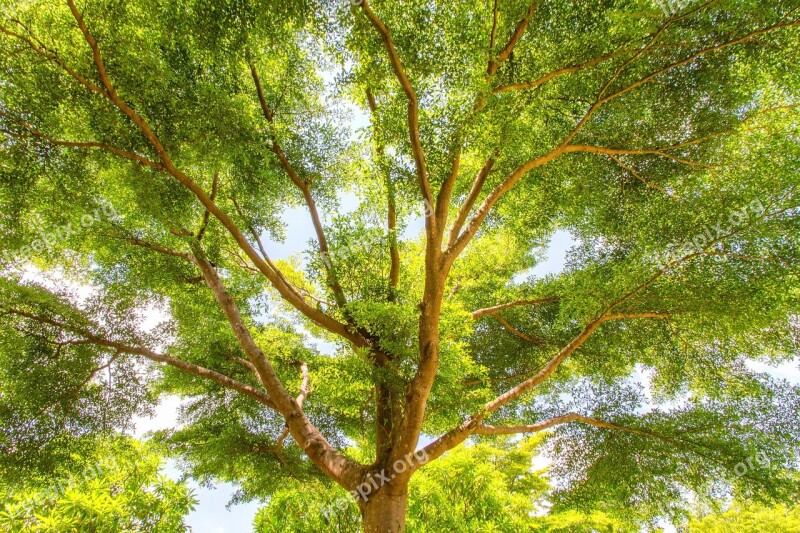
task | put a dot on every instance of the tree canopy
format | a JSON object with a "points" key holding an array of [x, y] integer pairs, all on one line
{"points": [[151, 149]]}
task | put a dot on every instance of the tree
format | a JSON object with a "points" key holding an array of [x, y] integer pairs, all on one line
{"points": [[756, 518], [149, 149], [117, 488]]}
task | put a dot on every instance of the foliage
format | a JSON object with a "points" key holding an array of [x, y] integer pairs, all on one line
{"points": [[151, 153], [118, 488], [748, 517]]}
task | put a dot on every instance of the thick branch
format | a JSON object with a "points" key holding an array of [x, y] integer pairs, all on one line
{"points": [[336, 466], [614, 152], [437, 266], [319, 450], [519, 31]]}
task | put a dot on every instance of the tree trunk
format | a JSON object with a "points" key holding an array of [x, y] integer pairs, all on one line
{"points": [[385, 512]]}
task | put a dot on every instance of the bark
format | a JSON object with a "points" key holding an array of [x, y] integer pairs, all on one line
{"points": [[385, 512]]}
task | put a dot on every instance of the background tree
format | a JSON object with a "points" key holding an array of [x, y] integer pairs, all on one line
{"points": [[756, 518], [149, 149], [115, 485]]}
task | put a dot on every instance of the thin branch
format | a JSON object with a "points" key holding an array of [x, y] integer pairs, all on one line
{"points": [[52, 56], [263, 250], [155, 247], [457, 435], [562, 355], [207, 213], [483, 211], [477, 381], [391, 214], [413, 108], [472, 197], [602, 424], [454, 250], [245, 363], [196, 370], [514, 331], [683, 444], [74, 392], [694, 56], [443, 199], [647, 47], [77, 144], [305, 190], [495, 309], [558, 72], [485, 429], [638, 176], [679, 261]]}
